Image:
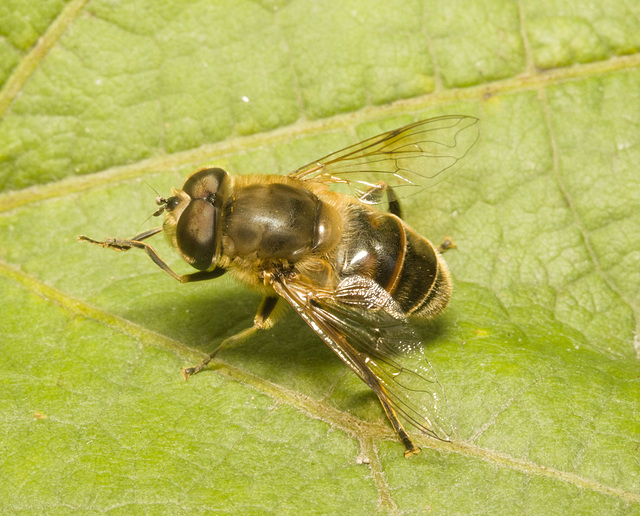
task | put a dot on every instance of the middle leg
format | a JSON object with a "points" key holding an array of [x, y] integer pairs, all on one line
{"points": [[263, 320]]}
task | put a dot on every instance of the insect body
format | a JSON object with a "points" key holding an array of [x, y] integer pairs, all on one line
{"points": [[351, 271]]}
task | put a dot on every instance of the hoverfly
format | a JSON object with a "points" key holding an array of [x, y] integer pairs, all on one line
{"points": [[351, 271]]}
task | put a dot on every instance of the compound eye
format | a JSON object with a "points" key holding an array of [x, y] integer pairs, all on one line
{"points": [[205, 183], [196, 234]]}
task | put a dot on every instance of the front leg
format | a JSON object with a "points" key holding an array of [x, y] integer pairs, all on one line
{"points": [[124, 244]]}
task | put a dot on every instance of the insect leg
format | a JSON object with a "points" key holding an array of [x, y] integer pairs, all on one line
{"points": [[374, 384], [146, 234], [374, 193], [361, 369], [263, 320], [309, 307], [115, 243], [394, 203], [411, 449], [446, 244], [124, 244]]}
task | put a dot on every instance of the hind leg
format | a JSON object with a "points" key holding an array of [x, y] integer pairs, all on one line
{"points": [[372, 196]]}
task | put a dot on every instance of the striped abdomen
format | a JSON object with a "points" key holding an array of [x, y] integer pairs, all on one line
{"points": [[380, 246]]}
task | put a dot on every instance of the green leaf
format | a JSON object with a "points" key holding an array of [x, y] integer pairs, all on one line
{"points": [[538, 352]]}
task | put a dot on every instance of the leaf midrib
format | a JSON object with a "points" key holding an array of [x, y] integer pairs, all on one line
{"points": [[364, 431]]}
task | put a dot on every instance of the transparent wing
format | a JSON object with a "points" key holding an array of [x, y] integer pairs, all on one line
{"points": [[408, 159], [365, 327]]}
